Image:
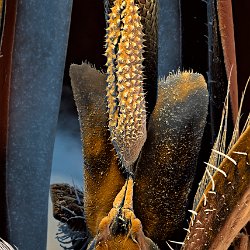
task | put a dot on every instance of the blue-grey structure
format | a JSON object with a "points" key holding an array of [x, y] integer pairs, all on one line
{"points": [[38, 64]]}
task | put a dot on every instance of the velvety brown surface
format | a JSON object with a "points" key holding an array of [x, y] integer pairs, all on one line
{"points": [[164, 174], [102, 177], [166, 170]]}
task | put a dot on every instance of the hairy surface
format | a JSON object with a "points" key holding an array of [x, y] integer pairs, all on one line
{"points": [[167, 167], [102, 177], [222, 199], [225, 207], [165, 171]]}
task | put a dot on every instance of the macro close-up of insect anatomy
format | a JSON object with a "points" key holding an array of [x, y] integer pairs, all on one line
{"points": [[125, 125]]}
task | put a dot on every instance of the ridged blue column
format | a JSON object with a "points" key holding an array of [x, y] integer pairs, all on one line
{"points": [[169, 56]]}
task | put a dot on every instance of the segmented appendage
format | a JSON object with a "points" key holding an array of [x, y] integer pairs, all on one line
{"points": [[125, 96]]}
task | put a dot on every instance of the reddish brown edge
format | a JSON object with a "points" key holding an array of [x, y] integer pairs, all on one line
{"points": [[226, 27], [5, 78]]}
